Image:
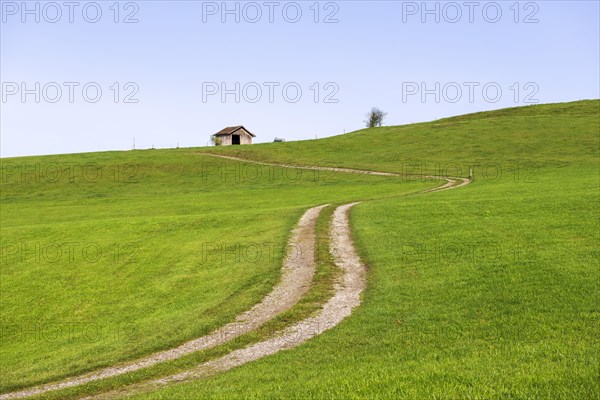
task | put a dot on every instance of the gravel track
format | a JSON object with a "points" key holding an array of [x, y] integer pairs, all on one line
{"points": [[297, 275], [347, 292]]}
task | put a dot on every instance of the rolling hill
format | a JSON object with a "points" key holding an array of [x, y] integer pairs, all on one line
{"points": [[487, 291]]}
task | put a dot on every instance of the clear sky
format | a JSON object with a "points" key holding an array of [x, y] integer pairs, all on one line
{"points": [[174, 72]]}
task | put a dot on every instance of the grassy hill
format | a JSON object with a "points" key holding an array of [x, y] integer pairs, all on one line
{"points": [[487, 291]]}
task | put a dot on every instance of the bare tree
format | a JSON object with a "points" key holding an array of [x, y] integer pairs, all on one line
{"points": [[375, 118]]}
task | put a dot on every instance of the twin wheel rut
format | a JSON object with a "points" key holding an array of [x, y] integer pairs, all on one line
{"points": [[296, 279]]}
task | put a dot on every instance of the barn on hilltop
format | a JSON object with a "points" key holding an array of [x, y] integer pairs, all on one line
{"points": [[233, 135]]}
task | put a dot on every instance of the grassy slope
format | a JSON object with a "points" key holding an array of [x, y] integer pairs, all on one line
{"points": [[132, 274], [546, 135], [490, 291]]}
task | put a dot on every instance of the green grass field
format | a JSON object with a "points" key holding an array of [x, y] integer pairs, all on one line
{"points": [[157, 248], [487, 291]]}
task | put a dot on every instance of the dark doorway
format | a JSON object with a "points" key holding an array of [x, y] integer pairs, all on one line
{"points": [[235, 139]]}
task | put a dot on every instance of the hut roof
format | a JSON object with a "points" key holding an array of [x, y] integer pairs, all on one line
{"points": [[231, 130]]}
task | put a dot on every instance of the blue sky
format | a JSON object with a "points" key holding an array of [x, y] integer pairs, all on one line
{"points": [[175, 58]]}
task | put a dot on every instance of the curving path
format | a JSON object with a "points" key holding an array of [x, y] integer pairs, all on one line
{"points": [[347, 296], [451, 182], [297, 275]]}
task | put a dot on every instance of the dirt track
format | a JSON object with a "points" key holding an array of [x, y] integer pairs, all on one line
{"points": [[296, 279], [347, 296]]}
